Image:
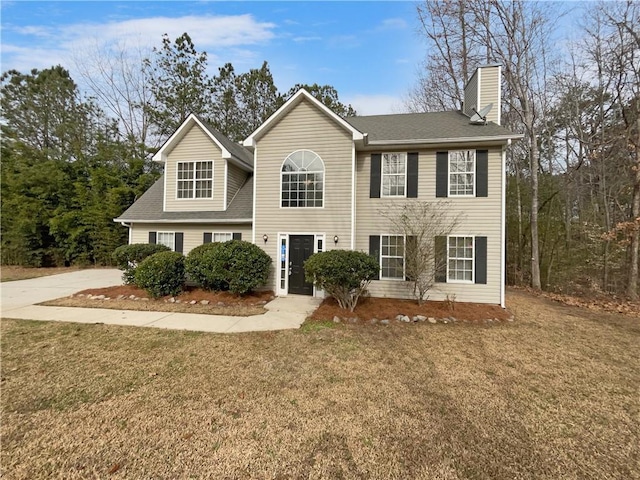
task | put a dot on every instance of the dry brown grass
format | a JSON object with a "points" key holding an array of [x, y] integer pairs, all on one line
{"points": [[553, 395], [10, 273]]}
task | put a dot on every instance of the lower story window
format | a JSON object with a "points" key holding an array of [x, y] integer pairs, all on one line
{"points": [[392, 256], [167, 239], [221, 237], [460, 259]]}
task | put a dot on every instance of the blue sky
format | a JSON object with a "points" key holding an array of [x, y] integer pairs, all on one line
{"points": [[369, 51]]}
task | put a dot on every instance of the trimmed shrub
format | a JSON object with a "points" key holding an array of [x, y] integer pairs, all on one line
{"points": [[161, 274], [127, 258], [201, 268], [237, 266], [343, 274]]}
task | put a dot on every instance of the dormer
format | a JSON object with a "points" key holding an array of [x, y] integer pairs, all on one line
{"points": [[483, 89], [203, 169]]}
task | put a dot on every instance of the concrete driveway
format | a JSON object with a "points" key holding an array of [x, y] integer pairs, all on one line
{"points": [[19, 300]]}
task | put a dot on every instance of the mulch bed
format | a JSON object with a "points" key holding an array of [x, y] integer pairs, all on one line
{"points": [[371, 309], [189, 294], [191, 300]]}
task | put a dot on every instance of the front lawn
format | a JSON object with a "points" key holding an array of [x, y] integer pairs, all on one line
{"points": [[552, 395]]}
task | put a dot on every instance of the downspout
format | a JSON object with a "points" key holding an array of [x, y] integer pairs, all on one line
{"points": [[503, 239], [128, 225]]}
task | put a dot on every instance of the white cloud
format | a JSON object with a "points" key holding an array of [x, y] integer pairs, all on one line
{"points": [[393, 24], [374, 104], [208, 33]]}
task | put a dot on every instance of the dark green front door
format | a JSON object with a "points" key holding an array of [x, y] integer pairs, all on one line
{"points": [[300, 248]]}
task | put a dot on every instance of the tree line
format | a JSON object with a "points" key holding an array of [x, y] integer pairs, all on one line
{"points": [[573, 191], [72, 159]]}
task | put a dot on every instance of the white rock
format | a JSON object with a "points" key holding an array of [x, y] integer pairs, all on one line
{"points": [[336, 319], [432, 320], [204, 302]]}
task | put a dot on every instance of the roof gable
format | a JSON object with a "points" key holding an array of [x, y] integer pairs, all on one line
{"points": [[301, 95], [229, 149]]}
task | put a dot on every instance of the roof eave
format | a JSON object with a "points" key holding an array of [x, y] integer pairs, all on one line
{"points": [[437, 141], [196, 220]]}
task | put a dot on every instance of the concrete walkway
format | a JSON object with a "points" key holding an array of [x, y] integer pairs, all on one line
{"points": [[19, 299]]}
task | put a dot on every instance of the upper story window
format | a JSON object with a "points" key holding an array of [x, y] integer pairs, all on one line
{"points": [[195, 180], [302, 180], [394, 174], [462, 167]]}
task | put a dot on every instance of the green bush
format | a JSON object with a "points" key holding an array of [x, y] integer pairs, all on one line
{"points": [[161, 274], [201, 268], [343, 274], [237, 266], [127, 257]]}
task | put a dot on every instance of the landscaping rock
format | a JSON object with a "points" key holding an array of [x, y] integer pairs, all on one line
{"points": [[374, 320], [119, 297], [132, 297], [178, 301], [432, 320], [172, 300], [453, 319], [384, 322], [421, 318], [510, 319], [399, 317], [192, 302], [336, 319], [107, 298], [405, 319], [204, 302]]}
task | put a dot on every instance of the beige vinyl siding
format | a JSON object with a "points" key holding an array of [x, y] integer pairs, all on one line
{"points": [[235, 179], [304, 127], [194, 146], [471, 95], [489, 92], [193, 234], [481, 217]]}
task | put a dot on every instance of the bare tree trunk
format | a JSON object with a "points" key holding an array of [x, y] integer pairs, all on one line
{"points": [[632, 287], [533, 167]]}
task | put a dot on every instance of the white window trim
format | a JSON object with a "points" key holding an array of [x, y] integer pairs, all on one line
{"points": [[213, 234], [406, 156], [193, 180], [404, 258], [324, 182], [473, 259], [172, 247], [475, 160]]}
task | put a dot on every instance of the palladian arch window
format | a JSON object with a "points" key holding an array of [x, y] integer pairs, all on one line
{"points": [[302, 180]]}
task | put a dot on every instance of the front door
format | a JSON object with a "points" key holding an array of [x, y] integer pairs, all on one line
{"points": [[300, 248]]}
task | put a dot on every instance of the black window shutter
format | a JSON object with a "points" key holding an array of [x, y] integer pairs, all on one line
{"points": [[410, 254], [152, 237], [442, 174], [412, 175], [482, 173], [374, 251], [441, 259], [376, 172], [481, 260], [237, 235], [179, 241], [206, 237]]}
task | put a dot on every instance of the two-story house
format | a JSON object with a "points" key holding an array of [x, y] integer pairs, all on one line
{"points": [[308, 180]]}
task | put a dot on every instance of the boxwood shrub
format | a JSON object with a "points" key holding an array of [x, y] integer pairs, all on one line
{"points": [[343, 274], [161, 274], [236, 265], [127, 257], [200, 267]]}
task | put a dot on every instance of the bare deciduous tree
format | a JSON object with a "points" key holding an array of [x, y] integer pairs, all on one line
{"points": [[420, 223]]}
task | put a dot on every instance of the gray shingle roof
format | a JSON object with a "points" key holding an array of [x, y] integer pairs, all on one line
{"points": [[424, 126], [235, 149], [148, 208]]}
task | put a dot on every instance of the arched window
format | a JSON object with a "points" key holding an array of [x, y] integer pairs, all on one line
{"points": [[302, 180]]}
